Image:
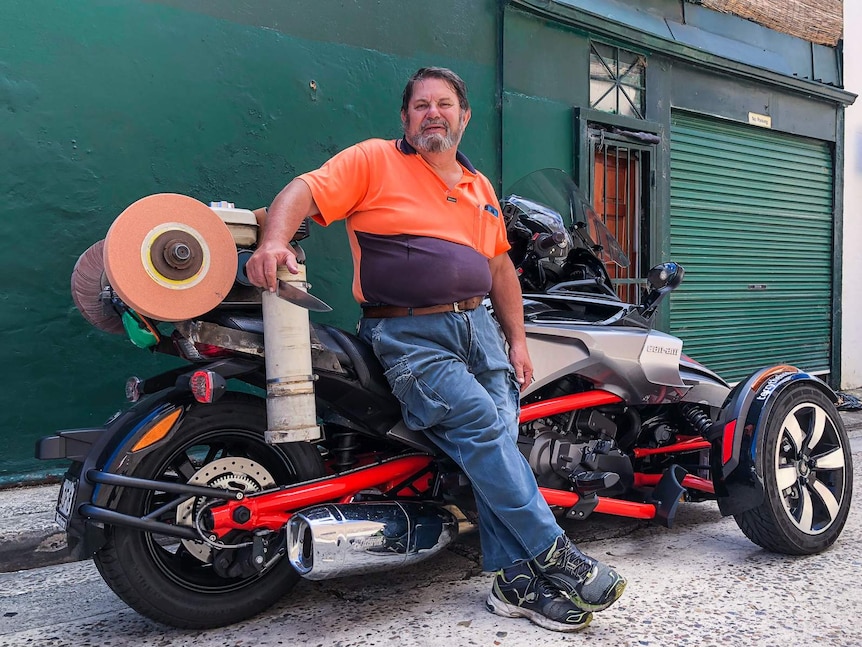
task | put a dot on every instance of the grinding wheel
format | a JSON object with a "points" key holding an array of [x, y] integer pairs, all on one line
{"points": [[170, 257], [88, 283]]}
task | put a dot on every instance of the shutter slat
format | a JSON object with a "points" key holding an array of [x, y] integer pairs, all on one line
{"points": [[751, 222]]}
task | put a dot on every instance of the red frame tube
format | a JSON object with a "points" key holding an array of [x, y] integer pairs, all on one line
{"points": [[545, 408], [689, 481], [606, 505], [272, 509], [691, 445]]}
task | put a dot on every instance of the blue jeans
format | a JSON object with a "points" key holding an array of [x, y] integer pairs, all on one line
{"points": [[451, 373]]}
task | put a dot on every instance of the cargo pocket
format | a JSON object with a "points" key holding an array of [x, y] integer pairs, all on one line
{"points": [[421, 406], [514, 393]]}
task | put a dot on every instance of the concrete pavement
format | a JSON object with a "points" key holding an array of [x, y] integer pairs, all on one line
{"points": [[29, 538], [700, 584]]}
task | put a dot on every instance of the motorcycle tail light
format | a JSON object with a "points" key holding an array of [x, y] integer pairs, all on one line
{"points": [[206, 386], [209, 351], [196, 351]]}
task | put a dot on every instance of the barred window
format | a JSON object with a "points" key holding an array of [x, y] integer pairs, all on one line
{"points": [[617, 81]]}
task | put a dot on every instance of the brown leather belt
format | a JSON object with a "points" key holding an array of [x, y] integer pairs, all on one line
{"points": [[383, 312]]}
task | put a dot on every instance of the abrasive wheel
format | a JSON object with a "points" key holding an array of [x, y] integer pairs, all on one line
{"points": [[88, 284], [170, 257]]}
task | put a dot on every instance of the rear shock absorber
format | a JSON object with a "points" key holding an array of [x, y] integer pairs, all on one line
{"points": [[343, 450], [699, 421]]}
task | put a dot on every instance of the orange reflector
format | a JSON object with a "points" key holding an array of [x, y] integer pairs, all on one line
{"points": [[158, 431], [727, 442]]}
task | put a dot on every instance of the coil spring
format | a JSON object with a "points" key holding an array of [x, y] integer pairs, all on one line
{"points": [[695, 417]]}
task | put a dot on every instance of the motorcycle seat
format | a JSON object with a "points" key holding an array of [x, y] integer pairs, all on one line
{"points": [[352, 353], [355, 354], [237, 320]]}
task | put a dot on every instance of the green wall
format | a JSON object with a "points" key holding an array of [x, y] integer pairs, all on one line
{"points": [[104, 102], [544, 77]]}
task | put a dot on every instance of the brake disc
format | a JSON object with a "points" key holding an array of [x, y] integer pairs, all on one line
{"points": [[229, 473]]}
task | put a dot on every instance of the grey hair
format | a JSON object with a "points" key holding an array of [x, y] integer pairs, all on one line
{"points": [[441, 73]]}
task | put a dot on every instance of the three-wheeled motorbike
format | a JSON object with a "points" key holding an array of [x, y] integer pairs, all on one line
{"points": [[202, 504]]}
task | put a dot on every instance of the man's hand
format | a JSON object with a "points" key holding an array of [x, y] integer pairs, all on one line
{"points": [[261, 268], [291, 206], [509, 310], [522, 364]]}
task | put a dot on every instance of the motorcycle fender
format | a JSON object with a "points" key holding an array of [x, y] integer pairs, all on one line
{"points": [[735, 435], [116, 448]]}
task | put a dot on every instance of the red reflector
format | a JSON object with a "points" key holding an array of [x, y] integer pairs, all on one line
{"points": [[727, 442], [210, 351], [201, 384]]}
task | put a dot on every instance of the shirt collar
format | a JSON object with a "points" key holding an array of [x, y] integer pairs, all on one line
{"points": [[405, 147]]}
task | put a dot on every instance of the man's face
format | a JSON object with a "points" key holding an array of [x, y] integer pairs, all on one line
{"points": [[434, 121]]}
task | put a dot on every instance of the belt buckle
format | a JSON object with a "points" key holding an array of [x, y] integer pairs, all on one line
{"points": [[456, 307]]}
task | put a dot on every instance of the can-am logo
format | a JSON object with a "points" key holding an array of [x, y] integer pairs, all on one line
{"points": [[662, 350]]}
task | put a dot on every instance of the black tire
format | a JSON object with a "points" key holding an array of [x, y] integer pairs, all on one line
{"points": [[170, 581], [804, 459]]}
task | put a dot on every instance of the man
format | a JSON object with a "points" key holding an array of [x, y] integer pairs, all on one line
{"points": [[428, 243]]}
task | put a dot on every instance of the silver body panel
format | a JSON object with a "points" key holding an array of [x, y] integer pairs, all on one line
{"points": [[639, 365]]}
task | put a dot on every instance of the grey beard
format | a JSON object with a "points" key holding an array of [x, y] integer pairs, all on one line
{"points": [[433, 142]]}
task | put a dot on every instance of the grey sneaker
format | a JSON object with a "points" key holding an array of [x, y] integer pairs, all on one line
{"points": [[518, 592], [591, 585]]}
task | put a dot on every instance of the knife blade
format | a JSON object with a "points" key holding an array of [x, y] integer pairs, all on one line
{"points": [[300, 298]]}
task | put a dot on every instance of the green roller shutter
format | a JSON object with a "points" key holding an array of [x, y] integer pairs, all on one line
{"points": [[751, 222]]}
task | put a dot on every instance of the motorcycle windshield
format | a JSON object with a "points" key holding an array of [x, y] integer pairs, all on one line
{"points": [[560, 195]]}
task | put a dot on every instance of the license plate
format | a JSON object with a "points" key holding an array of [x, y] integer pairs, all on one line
{"points": [[65, 502]]}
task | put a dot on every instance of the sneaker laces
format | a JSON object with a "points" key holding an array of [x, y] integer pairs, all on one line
{"points": [[544, 587], [573, 561]]}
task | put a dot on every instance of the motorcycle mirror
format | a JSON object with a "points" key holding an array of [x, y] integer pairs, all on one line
{"points": [[662, 279], [665, 275]]}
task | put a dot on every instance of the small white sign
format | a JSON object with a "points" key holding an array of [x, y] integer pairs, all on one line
{"points": [[65, 502], [764, 121]]}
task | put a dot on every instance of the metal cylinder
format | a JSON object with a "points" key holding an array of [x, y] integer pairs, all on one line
{"points": [[290, 410], [332, 540]]}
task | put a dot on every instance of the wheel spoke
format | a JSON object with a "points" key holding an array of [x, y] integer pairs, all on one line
{"points": [[183, 466], [786, 476], [792, 429], [831, 460], [827, 497], [805, 513], [212, 452], [817, 427]]}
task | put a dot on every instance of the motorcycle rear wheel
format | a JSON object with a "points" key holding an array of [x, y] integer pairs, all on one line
{"points": [[804, 459], [172, 581]]}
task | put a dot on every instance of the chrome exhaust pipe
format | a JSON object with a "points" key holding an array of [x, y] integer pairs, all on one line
{"points": [[333, 540]]}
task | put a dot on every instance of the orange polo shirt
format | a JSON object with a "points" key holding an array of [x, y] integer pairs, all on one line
{"points": [[414, 241]]}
